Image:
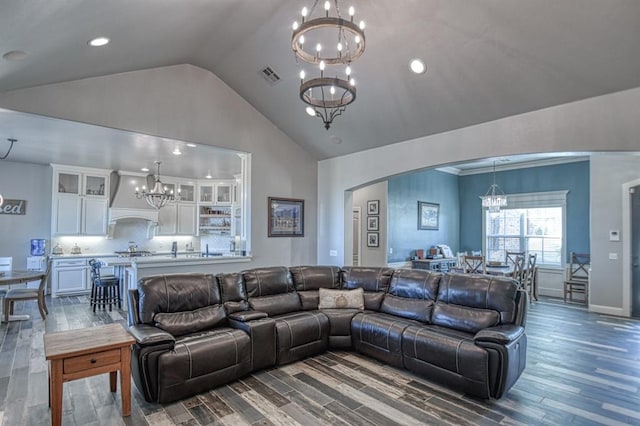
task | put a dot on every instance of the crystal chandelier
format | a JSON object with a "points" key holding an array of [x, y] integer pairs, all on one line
{"points": [[159, 196], [328, 41], [495, 197]]}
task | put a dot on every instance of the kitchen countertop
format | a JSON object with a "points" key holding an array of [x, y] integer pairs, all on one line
{"points": [[184, 260]]}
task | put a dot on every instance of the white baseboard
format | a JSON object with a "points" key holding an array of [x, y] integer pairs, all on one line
{"points": [[607, 310]]}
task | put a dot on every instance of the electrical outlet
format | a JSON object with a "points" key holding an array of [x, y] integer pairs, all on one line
{"points": [[333, 253], [390, 250]]}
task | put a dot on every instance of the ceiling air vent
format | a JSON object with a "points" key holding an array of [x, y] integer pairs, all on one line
{"points": [[270, 75]]}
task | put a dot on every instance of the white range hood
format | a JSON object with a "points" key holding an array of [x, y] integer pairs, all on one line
{"points": [[124, 205], [148, 215]]}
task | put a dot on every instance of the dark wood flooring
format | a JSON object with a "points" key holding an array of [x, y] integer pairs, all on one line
{"points": [[582, 368]]}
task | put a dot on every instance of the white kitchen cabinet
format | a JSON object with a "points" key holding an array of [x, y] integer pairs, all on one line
{"points": [[177, 219], [186, 219], [80, 203], [167, 220], [70, 276], [223, 193]]}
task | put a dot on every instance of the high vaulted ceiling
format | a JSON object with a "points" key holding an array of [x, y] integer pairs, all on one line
{"points": [[486, 59]]}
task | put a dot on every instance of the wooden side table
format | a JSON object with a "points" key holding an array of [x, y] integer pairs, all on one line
{"points": [[76, 354]]}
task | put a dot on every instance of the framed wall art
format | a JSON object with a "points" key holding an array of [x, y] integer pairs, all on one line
{"points": [[286, 217], [428, 215], [373, 207], [373, 239], [373, 223]]}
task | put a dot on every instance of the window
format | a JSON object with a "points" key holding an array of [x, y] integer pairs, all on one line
{"points": [[533, 223]]}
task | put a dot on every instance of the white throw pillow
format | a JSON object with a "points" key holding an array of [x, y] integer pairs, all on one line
{"points": [[341, 299]]}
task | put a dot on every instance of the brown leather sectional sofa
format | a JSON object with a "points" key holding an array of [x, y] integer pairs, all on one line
{"points": [[195, 332]]}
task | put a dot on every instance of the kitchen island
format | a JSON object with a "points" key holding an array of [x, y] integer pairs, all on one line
{"points": [[130, 270]]}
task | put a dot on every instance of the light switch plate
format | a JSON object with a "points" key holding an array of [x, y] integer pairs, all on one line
{"points": [[613, 256], [333, 253]]}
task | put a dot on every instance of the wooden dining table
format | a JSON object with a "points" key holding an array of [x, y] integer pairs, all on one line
{"points": [[507, 271], [19, 277]]}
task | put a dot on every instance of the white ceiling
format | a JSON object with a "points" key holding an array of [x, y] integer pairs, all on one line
{"points": [[486, 59]]}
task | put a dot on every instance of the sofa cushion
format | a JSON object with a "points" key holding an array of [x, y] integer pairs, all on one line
{"points": [[471, 302], [464, 318], [373, 280], [341, 299], [203, 361], [412, 293], [267, 281], [300, 335], [446, 348], [175, 293], [315, 277], [233, 292], [181, 323], [379, 336], [277, 304]]}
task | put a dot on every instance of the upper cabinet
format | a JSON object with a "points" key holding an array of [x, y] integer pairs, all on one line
{"points": [[216, 192], [80, 201]]}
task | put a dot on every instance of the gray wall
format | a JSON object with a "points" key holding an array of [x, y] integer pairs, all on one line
{"points": [[373, 256], [31, 182], [188, 103], [608, 173]]}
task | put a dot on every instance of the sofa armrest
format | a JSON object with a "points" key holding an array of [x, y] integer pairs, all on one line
{"points": [[262, 332], [502, 334], [147, 335], [245, 316]]}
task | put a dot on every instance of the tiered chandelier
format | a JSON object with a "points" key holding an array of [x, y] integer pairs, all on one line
{"points": [[495, 198], [327, 96], [158, 196]]}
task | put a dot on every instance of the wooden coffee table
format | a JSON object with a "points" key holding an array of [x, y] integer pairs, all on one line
{"points": [[76, 354]]}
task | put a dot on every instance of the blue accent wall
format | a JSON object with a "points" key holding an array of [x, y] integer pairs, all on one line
{"points": [[461, 209], [404, 192], [573, 177]]}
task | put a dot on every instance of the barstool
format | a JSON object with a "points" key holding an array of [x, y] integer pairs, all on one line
{"points": [[105, 289]]}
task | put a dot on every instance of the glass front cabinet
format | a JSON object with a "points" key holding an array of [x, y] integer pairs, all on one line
{"points": [[79, 201]]}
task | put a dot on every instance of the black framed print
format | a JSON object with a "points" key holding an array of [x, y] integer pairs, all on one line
{"points": [[373, 223], [428, 215], [286, 217], [373, 207], [373, 239]]}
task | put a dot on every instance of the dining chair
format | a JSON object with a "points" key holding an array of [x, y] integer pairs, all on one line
{"points": [[6, 264], [519, 271], [531, 282], [22, 294], [578, 278], [510, 257], [474, 265]]}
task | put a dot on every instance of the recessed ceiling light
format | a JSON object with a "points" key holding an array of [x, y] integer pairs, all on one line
{"points": [[191, 145], [98, 41], [335, 139], [144, 169], [311, 111], [15, 55], [418, 66], [177, 151]]}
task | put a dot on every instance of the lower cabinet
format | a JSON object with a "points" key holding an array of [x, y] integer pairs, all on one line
{"points": [[70, 276]]}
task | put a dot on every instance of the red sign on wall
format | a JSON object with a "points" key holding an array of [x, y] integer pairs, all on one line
{"points": [[14, 207]]}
